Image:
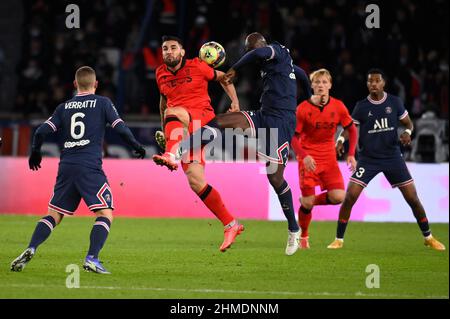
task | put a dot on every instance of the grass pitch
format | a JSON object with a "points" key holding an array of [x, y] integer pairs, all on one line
{"points": [[179, 258]]}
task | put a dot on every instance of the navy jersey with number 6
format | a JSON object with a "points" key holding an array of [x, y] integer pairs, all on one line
{"points": [[378, 122], [81, 123]]}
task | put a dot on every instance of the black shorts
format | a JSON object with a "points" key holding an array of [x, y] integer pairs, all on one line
{"points": [[75, 182], [274, 134], [394, 169]]}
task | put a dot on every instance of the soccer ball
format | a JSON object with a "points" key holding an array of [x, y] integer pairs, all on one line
{"points": [[212, 53]]}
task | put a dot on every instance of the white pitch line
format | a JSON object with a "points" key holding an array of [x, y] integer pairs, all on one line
{"points": [[223, 291]]}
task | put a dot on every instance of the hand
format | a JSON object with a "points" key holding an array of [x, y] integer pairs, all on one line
{"points": [[318, 99], [340, 150], [160, 139], [139, 152], [310, 163], [229, 76], [405, 139], [35, 160], [351, 162], [234, 107]]}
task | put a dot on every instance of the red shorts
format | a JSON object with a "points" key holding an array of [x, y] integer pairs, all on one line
{"points": [[197, 119], [328, 177]]}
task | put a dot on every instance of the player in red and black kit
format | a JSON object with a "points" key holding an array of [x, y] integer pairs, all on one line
{"points": [[186, 105], [314, 145]]}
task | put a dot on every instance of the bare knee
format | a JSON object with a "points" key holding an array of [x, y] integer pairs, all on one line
{"points": [[107, 213], [336, 196], [276, 180], [196, 182], [307, 202], [56, 216], [179, 112]]}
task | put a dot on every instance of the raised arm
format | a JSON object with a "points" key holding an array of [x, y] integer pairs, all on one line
{"points": [[252, 56], [230, 90], [301, 76]]}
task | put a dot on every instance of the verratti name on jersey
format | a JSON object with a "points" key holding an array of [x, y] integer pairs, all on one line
{"points": [[80, 104]]}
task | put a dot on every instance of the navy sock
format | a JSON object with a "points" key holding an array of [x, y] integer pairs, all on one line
{"points": [[43, 229], [424, 227], [99, 233], [341, 227], [285, 197]]}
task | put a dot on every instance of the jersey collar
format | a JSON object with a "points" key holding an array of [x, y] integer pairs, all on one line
{"points": [[183, 63], [83, 93], [378, 102], [321, 108]]}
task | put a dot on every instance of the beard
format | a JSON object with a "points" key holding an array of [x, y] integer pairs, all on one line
{"points": [[172, 62]]}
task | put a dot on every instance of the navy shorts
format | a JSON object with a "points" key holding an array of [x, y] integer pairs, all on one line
{"points": [[75, 182], [274, 134], [394, 169]]}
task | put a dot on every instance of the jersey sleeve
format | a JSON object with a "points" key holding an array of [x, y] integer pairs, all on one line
{"points": [[208, 72], [345, 118], [401, 110], [112, 116], [356, 115], [56, 119]]}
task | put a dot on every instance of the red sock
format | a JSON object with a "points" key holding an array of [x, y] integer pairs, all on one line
{"points": [[304, 219], [322, 199], [173, 130], [214, 202]]}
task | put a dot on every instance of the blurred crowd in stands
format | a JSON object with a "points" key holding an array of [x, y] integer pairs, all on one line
{"points": [[121, 40]]}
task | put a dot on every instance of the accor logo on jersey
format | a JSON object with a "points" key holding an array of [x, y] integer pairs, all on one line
{"points": [[381, 125]]}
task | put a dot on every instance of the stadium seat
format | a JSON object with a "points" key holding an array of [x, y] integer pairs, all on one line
{"points": [[429, 142]]}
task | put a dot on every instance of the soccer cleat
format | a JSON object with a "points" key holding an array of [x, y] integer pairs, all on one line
{"points": [[230, 235], [160, 139], [167, 159], [304, 243], [336, 244], [20, 262], [434, 243], [292, 243], [94, 265]]}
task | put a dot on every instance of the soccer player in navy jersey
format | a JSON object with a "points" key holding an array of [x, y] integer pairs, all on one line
{"points": [[80, 123], [378, 117], [274, 123]]}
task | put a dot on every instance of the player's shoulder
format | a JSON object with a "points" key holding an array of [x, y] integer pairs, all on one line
{"points": [[362, 103], [303, 106], [196, 62], [161, 70], [336, 102], [393, 98]]}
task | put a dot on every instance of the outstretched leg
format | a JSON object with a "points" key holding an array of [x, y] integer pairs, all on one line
{"points": [[99, 234], [284, 193], [42, 231], [213, 129], [353, 192], [195, 174], [176, 120], [410, 194]]}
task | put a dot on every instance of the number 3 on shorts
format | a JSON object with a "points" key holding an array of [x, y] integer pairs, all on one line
{"points": [[360, 172]]}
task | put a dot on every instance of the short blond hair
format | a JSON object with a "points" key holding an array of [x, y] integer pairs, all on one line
{"points": [[320, 72], [85, 77]]}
